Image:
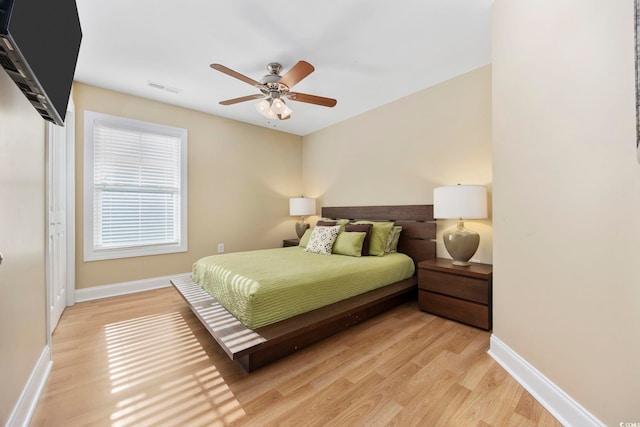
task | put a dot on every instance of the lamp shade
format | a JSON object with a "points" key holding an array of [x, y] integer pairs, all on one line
{"points": [[302, 206], [272, 108], [460, 201], [264, 107]]}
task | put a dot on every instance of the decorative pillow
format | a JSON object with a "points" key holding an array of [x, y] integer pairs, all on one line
{"points": [[367, 229], [304, 240], [392, 240], [340, 222], [349, 243], [378, 236], [323, 223], [322, 239]]}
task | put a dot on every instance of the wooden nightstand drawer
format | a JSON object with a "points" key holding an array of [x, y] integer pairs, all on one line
{"points": [[458, 293], [468, 312], [468, 288]]}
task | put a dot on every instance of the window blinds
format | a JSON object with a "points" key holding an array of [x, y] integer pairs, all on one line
{"points": [[136, 187]]}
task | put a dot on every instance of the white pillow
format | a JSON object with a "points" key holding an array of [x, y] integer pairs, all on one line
{"points": [[322, 239]]}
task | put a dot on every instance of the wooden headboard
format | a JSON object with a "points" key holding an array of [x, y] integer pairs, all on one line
{"points": [[418, 225]]}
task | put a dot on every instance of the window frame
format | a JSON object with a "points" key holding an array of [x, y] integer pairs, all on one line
{"points": [[90, 252]]}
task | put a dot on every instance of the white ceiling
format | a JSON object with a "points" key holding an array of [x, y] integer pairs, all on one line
{"points": [[366, 53]]}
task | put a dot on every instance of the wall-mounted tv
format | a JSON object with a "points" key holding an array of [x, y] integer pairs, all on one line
{"points": [[39, 45]]}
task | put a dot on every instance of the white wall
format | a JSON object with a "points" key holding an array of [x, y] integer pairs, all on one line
{"points": [[567, 197], [22, 242], [398, 153]]}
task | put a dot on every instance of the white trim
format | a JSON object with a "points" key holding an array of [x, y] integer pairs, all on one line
{"points": [[566, 410], [26, 405], [91, 253], [70, 122], [106, 291]]}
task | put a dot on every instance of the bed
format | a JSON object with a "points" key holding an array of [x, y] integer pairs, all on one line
{"points": [[267, 341]]}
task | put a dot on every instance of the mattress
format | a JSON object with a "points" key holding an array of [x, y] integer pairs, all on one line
{"points": [[266, 286]]}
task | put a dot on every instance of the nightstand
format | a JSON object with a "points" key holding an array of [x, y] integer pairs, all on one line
{"points": [[290, 242], [463, 294]]}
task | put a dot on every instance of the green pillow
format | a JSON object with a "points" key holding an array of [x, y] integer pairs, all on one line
{"points": [[304, 241], [379, 236], [349, 243]]}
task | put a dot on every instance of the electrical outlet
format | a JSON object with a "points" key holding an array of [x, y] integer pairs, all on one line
{"points": [[220, 248]]}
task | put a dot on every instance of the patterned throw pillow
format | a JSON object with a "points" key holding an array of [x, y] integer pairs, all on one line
{"points": [[392, 240], [322, 239]]}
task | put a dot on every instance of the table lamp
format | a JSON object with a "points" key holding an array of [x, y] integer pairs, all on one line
{"points": [[302, 206], [460, 202]]}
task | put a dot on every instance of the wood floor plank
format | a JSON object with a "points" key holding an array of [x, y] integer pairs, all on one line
{"points": [[372, 410], [145, 360], [436, 411], [341, 401]]}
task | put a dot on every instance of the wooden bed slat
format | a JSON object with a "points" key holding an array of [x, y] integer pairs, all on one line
{"points": [[234, 337], [417, 249], [418, 230], [381, 213]]}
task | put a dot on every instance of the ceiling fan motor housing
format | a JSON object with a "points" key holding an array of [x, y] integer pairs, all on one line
{"points": [[274, 89], [274, 68]]}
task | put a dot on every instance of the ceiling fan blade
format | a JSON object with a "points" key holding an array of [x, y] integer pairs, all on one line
{"points": [[298, 72], [237, 75], [242, 99], [312, 99]]}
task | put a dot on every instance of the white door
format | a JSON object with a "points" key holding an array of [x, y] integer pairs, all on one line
{"points": [[56, 222]]}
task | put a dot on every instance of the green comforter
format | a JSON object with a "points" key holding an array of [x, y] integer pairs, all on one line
{"points": [[266, 286]]}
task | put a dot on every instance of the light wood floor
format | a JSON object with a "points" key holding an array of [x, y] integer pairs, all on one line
{"points": [[145, 360]]}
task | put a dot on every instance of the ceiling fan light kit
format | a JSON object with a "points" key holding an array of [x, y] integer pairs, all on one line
{"points": [[275, 89], [274, 108], [264, 108]]}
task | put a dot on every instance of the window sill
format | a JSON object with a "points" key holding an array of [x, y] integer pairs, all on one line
{"points": [[107, 254]]}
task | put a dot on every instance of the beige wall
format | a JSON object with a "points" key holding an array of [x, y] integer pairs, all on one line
{"points": [[240, 179], [398, 153], [22, 242], [567, 197]]}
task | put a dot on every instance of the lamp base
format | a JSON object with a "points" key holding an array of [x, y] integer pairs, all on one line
{"points": [[461, 244], [301, 227]]}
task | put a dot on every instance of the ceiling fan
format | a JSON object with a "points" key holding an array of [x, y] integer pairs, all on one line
{"points": [[275, 89]]}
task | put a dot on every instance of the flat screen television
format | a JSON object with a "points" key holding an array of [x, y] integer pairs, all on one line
{"points": [[39, 45]]}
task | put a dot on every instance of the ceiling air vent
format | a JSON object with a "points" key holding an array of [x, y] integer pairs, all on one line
{"points": [[164, 87]]}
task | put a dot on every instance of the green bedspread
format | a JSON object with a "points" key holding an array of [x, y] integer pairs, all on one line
{"points": [[266, 286]]}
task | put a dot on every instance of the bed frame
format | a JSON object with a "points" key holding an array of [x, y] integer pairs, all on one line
{"points": [[259, 347]]}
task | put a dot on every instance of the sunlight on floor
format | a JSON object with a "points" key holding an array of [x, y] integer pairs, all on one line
{"points": [[145, 355]]}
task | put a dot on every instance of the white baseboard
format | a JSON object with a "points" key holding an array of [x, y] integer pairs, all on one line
{"points": [[124, 288], [28, 400], [566, 410]]}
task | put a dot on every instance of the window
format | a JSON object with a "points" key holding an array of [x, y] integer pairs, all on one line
{"points": [[135, 188]]}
